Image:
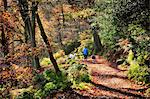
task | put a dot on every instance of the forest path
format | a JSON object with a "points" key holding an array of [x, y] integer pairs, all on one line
{"points": [[111, 82]]}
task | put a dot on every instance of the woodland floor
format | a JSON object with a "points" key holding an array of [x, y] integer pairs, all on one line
{"points": [[111, 82]]}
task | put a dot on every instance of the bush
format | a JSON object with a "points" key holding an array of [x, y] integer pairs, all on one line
{"points": [[85, 78], [51, 82], [39, 80], [60, 80], [39, 94], [78, 73], [45, 62], [138, 73], [49, 86], [76, 76], [138, 70], [59, 54]]}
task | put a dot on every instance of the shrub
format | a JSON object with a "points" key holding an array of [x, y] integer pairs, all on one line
{"points": [[39, 80], [76, 76], [85, 78], [59, 54], [78, 73], [49, 75], [138, 71], [39, 94], [51, 82], [45, 62], [60, 80], [49, 86]]}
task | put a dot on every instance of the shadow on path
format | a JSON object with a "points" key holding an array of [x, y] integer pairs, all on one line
{"points": [[117, 90], [112, 65], [141, 90], [108, 75]]}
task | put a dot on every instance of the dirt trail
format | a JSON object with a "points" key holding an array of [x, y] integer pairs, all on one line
{"points": [[111, 82]]}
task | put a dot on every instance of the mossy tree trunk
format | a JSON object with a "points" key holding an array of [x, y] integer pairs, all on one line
{"points": [[97, 42]]}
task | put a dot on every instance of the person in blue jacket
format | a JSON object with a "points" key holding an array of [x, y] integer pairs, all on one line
{"points": [[85, 53]]}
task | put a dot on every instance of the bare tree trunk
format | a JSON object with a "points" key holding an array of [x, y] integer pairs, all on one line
{"points": [[45, 38], [24, 15], [4, 41], [60, 26], [34, 9], [24, 10], [5, 5], [63, 16], [60, 35]]}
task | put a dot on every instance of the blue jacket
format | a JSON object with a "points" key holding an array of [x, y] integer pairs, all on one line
{"points": [[85, 51]]}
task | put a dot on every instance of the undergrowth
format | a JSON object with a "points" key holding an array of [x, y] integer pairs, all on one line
{"points": [[48, 83], [138, 71]]}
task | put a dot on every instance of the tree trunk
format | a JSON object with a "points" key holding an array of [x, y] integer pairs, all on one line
{"points": [[45, 38], [63, 25], [97, 42], [4, 42], [63, 16], [24, 10], [59, 36], [5, 5], [24, 14], [34, 9]]}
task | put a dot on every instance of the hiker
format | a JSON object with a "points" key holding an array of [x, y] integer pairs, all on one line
{"points": [[85, 53], [72, 56], [93, 59]]}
